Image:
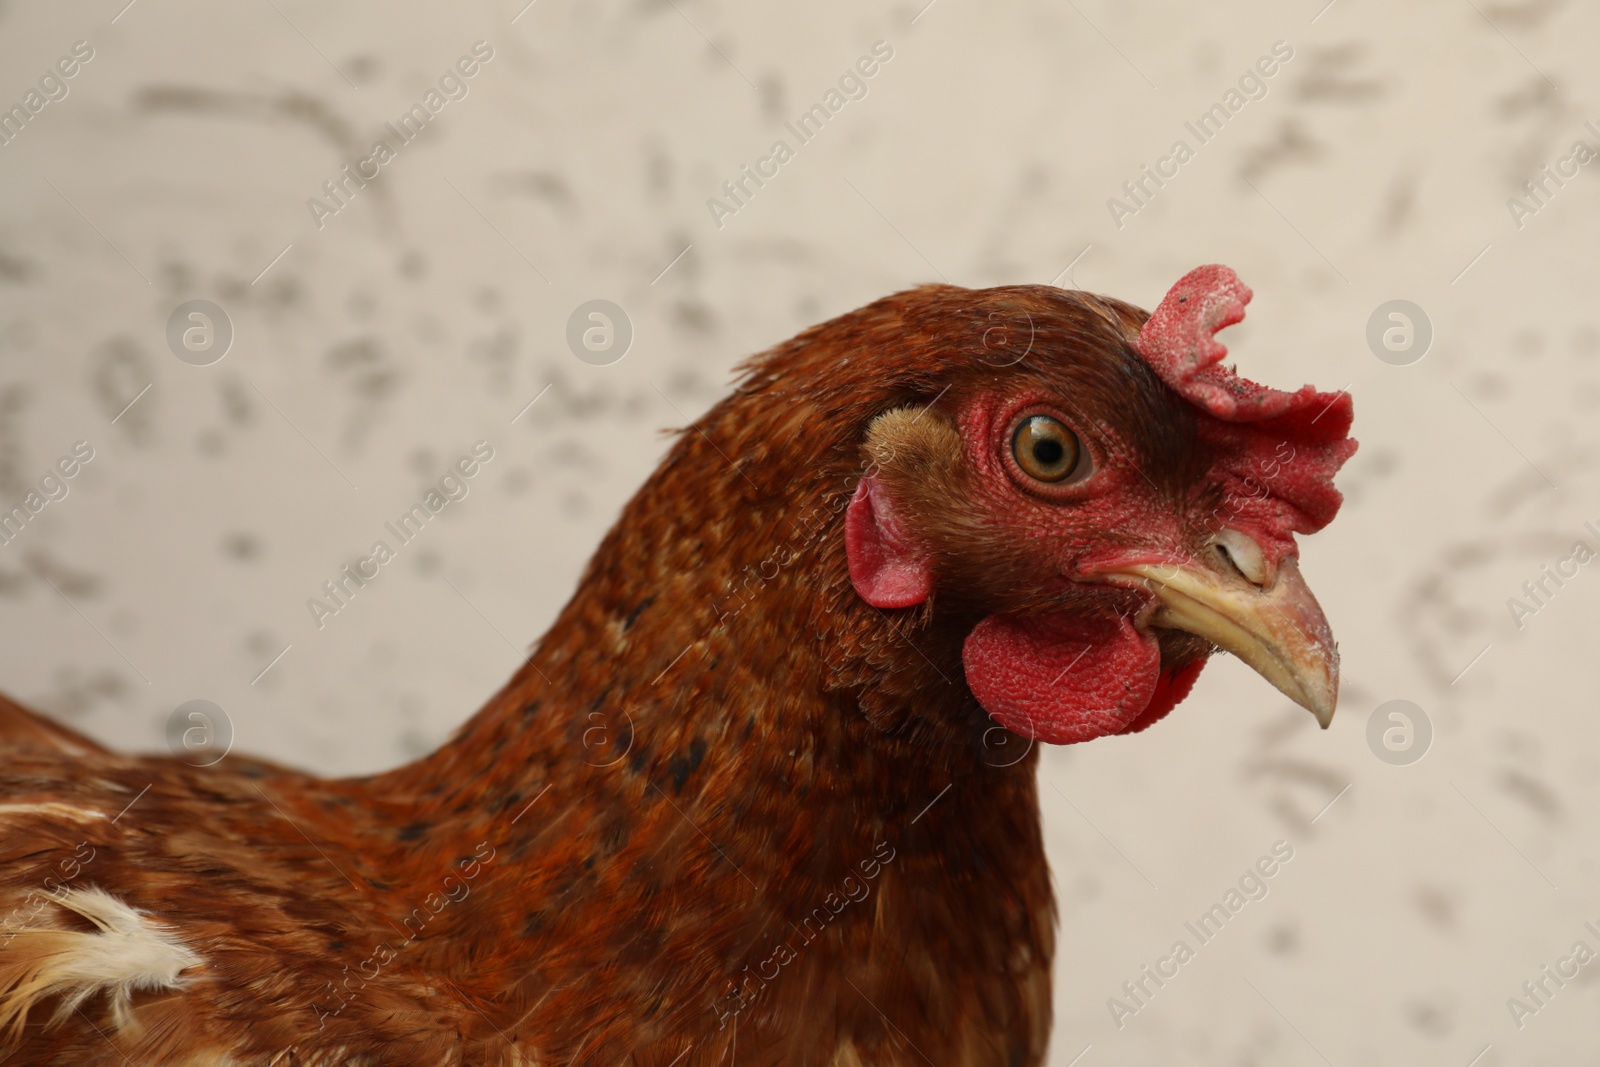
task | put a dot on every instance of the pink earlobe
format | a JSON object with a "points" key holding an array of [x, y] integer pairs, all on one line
{"points": [[886, 569]]}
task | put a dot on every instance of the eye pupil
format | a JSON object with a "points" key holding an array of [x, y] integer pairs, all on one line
{"points": [[1048, 452]]}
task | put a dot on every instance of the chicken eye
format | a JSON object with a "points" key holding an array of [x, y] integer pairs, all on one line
{"points": [[1045, 449]]}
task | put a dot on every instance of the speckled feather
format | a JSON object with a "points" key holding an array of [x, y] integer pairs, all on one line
{"points": [[714, 735]]}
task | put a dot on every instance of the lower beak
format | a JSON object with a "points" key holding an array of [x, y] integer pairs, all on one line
{"points": [[1279, 630]]}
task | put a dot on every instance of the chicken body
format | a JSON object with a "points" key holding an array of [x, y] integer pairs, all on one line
{"points": [[729, 807]]}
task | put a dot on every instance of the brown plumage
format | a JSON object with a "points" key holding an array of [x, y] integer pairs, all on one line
{"points": [[727, 802]]}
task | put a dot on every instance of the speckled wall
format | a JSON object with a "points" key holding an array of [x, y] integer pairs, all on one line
{"points": [[385, 329]]}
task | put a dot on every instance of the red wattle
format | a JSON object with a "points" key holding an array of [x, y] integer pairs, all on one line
{"points": [[1170, 691], [1062, 680]]}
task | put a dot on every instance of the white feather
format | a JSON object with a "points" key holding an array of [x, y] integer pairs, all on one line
{"points": [[126, 952]]}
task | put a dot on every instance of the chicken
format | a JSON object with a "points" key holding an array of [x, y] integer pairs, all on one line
{"points": [[765, 792]]}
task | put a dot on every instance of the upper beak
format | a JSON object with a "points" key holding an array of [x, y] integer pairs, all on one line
{"points": [[1278, 628]]}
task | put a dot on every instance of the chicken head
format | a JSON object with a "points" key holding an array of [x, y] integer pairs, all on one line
{"points": [[1103, 505]]}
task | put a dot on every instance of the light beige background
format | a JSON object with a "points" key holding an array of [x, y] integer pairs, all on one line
{"points": [[417, 322]]}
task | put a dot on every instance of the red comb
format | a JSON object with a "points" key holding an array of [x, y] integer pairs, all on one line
{"points": [[1306, 430]]}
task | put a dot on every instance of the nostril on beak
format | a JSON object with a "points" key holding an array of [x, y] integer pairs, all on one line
{"points": [[1243, 555]]}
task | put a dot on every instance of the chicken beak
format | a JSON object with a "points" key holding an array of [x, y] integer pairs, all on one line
{"points": [[1278, 629]]}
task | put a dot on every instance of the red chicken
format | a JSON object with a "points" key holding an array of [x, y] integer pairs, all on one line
{"points": [[747, 800]]}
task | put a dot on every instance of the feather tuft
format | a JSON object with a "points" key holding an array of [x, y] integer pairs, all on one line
{"points": [[125, 953]]}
